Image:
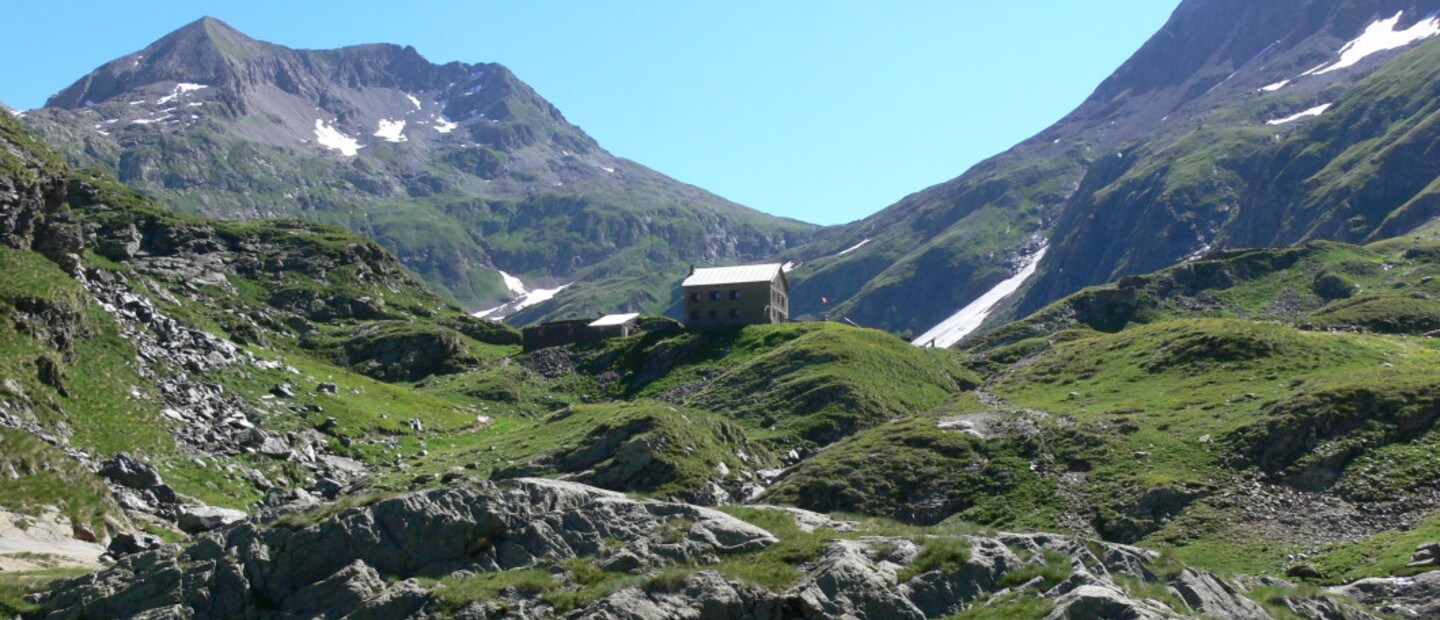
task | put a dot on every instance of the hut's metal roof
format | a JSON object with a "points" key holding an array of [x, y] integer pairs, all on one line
{"points": [[615, 319], [741, 274]]}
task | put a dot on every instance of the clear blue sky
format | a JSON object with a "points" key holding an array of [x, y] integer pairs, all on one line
{"points": [[821, 110]]}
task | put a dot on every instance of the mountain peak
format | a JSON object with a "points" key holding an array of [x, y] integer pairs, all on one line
{"points": [[205, 51], [209, 29]]}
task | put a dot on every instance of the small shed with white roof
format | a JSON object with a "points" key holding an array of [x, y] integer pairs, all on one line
{"points": [[616, 325]]}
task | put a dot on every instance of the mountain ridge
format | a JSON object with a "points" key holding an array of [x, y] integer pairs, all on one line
{"points": [[461, 169], [1170, 154]]}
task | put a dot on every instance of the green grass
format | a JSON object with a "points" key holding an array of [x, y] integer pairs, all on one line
{"points": [[301, 520], [1152, 590], [1383, 554], [1012, 606], [1051, 567], [936, 554], [677, 449], [779, 566], [829, 381], [455, 593], [42, 476], [15, 585], [947, 472]]}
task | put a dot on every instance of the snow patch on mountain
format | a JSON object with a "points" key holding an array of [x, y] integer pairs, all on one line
{"points": [[512, 283], [180, 89], [969, 318], [331, 138], [521, 298], [853, 247], [1379, 37], [444, 125], [413, 100], [150, 121], [1276, 86], [1315, 111], [391, 131]]}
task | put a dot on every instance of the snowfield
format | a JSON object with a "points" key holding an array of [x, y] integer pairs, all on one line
{"points": [[331, 138], [443, 125], [391, 131], [180, 89], [969, 318], [853, 247], [521, 298], [1315, 111], [1378, 37]]}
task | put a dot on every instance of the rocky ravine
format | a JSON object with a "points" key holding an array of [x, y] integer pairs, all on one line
{"points": [[398, 557]]}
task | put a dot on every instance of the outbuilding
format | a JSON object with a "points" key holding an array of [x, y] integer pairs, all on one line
{"points": [[616, 325]]}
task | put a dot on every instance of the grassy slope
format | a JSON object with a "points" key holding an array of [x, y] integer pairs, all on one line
{"points": [[1162, 408]]}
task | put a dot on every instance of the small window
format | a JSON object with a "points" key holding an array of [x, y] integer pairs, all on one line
{"points": [[734, 313], [714, 314], [694, 315], [694, 296], [714, 295], [735, 294]]}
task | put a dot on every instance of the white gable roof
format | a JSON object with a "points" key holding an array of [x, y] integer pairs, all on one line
{"points": [[742, 274], [614, 319]]}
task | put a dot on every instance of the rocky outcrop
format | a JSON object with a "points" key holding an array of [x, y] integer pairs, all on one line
{"points": [[656, 449], [1403, 597], [32, 197], [255, 569], [380, 561]]}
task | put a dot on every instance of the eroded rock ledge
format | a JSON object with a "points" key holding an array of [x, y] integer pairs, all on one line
{"points": [[393, 558]]}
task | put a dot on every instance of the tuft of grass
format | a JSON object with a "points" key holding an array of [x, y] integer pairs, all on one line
{"points": [[1012, 606], [779, 566], [1051, 566], [1153, 590], [936, 553], [302, 520], [457, 592], [15, 586]]}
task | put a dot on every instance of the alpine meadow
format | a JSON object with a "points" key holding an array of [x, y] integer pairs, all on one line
{"points": [[346, 333]]}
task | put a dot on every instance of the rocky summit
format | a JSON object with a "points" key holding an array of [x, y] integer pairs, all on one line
{"points": [[1180, 351]]}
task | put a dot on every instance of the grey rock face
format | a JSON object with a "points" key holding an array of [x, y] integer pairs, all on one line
{"points": [[705, 596], [379, 561], [1404, 597], [244, 570], [1101, 603]]}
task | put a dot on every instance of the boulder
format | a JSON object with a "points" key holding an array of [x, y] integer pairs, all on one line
{"points": [[1427, 554], [1101, 603], [126, 544], [197, 519], [130, 472]]}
